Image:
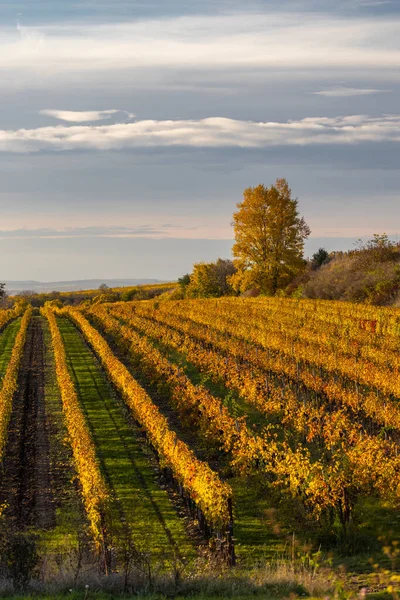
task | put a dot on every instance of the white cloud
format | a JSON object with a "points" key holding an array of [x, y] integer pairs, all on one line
{"points": [[215, 132], [74, 116], [274, 40], [373, 2], [346, 92]]}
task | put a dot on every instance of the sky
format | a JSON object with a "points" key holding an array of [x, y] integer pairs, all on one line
{"points": [[130, 128]]}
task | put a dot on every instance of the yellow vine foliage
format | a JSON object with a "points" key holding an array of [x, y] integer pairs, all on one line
{"points": [[252, 383], [93, 486], [204, 486], [10, 380], [194, 402], [334, 377], [11, 313], [346, 448]]}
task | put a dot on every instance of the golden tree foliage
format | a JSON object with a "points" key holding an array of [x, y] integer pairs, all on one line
{"points": [[269, 238], [211, 280]]}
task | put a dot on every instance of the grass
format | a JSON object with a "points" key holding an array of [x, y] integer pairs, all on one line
{"points": [[279, 582], [258, 538], [264, 525], [76, 595], [64, 539], [236, 404], [139, 503], [255, 539], [7, 340]]}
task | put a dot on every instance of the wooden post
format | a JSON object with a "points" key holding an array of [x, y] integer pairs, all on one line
{"points": [[231, 545]]}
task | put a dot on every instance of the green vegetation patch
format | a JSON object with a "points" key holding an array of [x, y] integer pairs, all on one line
{"points": [[257, 536], [139, 504], [65, 540]]}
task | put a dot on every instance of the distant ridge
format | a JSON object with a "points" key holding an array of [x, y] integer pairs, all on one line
{"points": [[15, 287]]}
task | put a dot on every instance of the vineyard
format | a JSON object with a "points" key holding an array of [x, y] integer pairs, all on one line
{"points": [[150, 437]]}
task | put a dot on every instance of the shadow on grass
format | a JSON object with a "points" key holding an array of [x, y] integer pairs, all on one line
{"points": [[140, 504]]}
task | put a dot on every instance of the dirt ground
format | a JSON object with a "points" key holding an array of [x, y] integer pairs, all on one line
{"points": [[26, 480]]}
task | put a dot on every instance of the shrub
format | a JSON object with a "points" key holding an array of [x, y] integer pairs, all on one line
{"points": [[370, 274]]}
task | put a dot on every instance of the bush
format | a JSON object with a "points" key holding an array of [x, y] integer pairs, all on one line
{"points": [[370, 274], [209, 280]]}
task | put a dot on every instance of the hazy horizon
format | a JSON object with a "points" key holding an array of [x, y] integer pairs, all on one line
{"points": [[158, 266]]}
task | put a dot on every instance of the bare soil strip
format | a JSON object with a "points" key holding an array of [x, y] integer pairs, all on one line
{"points": [[26, 479]]}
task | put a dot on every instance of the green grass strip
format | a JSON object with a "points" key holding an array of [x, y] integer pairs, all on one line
{"points": [[140, 502], [71, 523], [254, 539]]}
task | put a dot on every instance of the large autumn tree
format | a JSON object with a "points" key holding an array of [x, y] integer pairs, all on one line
{"points": [[269, 238]]}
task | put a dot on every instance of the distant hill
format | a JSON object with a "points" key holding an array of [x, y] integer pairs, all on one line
{"points": [[15, 287]]}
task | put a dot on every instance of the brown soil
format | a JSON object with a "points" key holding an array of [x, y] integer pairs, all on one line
{"points": [[26, 481]]}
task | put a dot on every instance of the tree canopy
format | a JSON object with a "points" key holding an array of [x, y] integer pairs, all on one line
{"points": [[319, 258], [210, 280], [269, 238]]}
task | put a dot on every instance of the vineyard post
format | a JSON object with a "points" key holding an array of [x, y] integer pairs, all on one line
{"points": [[106, 549], [231, 545]]}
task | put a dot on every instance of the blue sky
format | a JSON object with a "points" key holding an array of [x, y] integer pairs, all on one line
{"points": [[129, 130]]}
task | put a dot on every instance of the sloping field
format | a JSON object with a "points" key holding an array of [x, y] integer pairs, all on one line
{"points": [[138, 504], [35, 487], [144, 436], [299, 397]]}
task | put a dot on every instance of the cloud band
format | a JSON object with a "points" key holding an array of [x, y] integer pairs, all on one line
{"points": [[214, 132], [74, 116]]}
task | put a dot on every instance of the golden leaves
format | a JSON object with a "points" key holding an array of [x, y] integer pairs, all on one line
{"points": [[203, 484], [93, 486], [9, 384]]}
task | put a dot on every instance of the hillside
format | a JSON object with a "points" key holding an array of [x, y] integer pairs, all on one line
{"points": [[370, 273], [201, 434]]}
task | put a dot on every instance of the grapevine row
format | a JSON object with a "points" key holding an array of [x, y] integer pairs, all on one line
{"points": [[10, 379], [334, 337], [194, 402], [323, 485], [234, 360], [381, 321], [205, 487], [94, 488], [12, 313], [271, 312], [271, 400], [268, 337]]}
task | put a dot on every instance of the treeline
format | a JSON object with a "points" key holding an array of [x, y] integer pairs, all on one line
{"points": [[370, 273], [268, 259], [102, 294]]}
